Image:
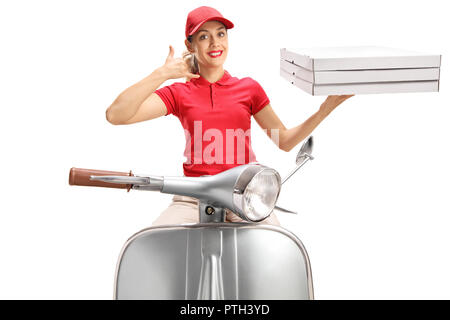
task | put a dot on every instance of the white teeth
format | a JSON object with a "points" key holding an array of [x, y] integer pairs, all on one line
{"points": [[215, 54]]}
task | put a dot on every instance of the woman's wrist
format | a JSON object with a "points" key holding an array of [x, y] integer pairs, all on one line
{"points": [[161, 73]]}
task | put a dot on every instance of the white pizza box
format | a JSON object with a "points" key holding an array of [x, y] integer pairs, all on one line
{"points": [[358, 76], [361, 88], [358, 58]]}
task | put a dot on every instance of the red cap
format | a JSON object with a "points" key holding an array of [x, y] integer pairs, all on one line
{"points": [[199, 16]]}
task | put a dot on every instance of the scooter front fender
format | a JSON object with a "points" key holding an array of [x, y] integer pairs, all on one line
{"points": [[213, 261]]}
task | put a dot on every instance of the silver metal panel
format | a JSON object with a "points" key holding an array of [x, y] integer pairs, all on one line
{"points": [[214, 261]]}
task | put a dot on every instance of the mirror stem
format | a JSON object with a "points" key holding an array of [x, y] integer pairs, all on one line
{"points": [[285, 210], [296, 168]]}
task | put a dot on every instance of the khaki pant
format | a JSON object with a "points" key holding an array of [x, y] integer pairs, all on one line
{"points": [[184, 209]]}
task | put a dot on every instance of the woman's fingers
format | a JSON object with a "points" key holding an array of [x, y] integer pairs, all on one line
{"points": [[333, 101], [339, 98], [189, 76], [342, 98]]}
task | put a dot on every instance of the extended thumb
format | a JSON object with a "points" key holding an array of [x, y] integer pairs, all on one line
{"points": [[171, 51]]}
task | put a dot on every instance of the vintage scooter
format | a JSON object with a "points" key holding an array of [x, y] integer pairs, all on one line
{"points": [[212, 259]]}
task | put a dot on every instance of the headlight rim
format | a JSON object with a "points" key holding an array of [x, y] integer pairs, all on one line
{"points": [[239, 190]]}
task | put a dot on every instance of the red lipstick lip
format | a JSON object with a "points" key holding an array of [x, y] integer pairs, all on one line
{"points": [[209, 53]]}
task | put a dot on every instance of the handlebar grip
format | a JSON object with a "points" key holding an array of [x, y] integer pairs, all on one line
{"points": [[81, 177]]}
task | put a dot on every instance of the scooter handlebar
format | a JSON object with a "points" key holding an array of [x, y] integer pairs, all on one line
{"points": [[81, 177]]}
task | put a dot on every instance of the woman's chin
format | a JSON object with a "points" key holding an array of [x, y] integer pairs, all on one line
{"points": [[217, 63]]}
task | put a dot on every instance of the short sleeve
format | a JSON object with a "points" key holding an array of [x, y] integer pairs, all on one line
{"points": [[168, 95], [259, 98]]}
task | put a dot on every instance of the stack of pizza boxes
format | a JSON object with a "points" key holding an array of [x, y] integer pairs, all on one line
{"points": [[360, 70]]}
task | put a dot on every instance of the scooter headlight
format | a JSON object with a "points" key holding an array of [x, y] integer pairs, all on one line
{"points": [[256, 192]]}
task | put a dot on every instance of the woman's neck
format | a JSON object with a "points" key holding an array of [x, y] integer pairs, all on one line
{"points": [[212, 74]]}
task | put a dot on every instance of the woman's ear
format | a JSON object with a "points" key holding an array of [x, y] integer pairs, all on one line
{"points": [[188, 46]]}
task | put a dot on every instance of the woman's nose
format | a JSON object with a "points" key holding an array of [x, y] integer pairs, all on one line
{"points": [[214, 39]]}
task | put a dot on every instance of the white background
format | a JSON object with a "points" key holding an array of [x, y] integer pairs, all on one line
{"points": [[374, 209]]}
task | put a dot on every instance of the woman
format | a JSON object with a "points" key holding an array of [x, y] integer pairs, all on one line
{"points": [[211, 104]]}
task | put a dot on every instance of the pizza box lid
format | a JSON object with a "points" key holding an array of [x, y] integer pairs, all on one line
{"points": [[358, 58]]}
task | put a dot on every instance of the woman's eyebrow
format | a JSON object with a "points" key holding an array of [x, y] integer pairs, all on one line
{"points": [[208, 31]]}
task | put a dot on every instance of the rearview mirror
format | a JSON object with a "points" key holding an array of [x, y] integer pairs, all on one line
{"points": [[305, 151]]}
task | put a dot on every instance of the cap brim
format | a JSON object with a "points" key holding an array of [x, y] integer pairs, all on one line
{"points": [[228, 24]]}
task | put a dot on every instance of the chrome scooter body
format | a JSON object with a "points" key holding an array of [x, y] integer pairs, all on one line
{"points": [[213, 259]]}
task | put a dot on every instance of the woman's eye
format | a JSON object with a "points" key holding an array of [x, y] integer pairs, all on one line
{"points": [[205, 36]]}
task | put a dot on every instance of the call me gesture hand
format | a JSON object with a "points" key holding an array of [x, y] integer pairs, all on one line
{"points": [[175, 68]]}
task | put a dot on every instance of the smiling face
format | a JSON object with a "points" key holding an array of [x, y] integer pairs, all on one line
{"points": [[210, 44]]}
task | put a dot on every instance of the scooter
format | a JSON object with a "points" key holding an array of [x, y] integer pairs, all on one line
{"points": [[212, 259]]}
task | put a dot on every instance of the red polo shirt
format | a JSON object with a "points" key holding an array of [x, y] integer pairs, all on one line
{"points": [[216, 118]]}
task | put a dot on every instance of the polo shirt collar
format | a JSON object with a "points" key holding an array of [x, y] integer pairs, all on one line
{"points": [[226, 79]]}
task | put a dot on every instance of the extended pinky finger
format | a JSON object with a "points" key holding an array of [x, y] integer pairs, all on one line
{"points": [[191, 75]]}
